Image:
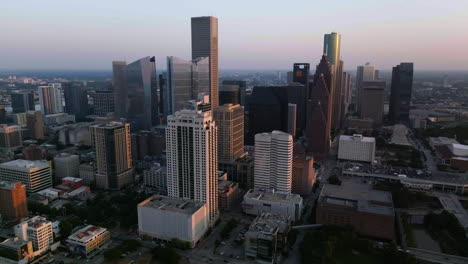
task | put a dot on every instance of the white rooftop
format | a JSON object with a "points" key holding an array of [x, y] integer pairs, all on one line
{"points": [[459, 150], [357, 137], [85, 234], [25, 164]]}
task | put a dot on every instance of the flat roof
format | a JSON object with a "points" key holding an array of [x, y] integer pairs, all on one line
{"points": [[399, 136], [273, 196], [166, 203], [87, 233], [268, 223], [357, 137], [25, 164], [359, 196]]}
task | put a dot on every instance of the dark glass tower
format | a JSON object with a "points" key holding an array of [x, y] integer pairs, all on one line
{"points": [[400, 96], [232, 92], [22, 102], [76, 100]]}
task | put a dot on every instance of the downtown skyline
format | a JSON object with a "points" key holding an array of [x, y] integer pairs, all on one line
{"points": [[274, 39]]}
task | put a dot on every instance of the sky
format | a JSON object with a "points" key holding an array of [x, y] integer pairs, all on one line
{"points": [[253, 34]]}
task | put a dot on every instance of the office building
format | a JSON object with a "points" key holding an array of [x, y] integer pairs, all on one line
{"points": [[156, 178], [229, 119], [257, 202], [364, 73], [232, 92], [37, 230], [331, 48], [273, 161], [88, 240], [319, 111], [76, 100], [192, 158], [113, 155], [103, 102], [373, 105], [35, 175], [66, 165], [10, 137], [244, 175], [50, 98], [347, 95], [186, 81], [400, 94], [148, 144], [292, 116], [167, 218], [35, 125], [303, 174], [229, 195], [135, 88], [205, 44], [369, 212], [13, 203], [267, 238], [22, 102], [357, 148], [34, 152]]}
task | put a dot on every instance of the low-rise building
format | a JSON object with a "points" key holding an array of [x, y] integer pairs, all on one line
{"points": [[258, 201], [35, 175], [369, 212], [267, 237], [357, 148], [156, 178], [229, 194], [15, 250], [88, 240], [38, 231], [167, 218]]}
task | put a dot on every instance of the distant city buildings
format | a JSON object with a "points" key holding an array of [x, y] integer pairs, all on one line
{"points": [[357, 148], [35, 125], [104, 102], [364, 73], [50, 98], [22, 102], [10, 137], [273, 161], [372, 104], [232, 92], [35, 175], [76, 100], [400, 95]]}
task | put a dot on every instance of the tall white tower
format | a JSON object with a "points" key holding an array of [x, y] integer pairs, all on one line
{"points": [[192, 158], [273, 161], [50, 98]]}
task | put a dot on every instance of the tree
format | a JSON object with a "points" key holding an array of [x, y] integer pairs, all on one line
{"points": [[112, 254], [166, 255], [334, 180], [65, 228]]}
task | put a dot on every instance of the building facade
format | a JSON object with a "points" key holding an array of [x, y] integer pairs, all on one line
{"points": [[400, 95], [13, 203], [88, 240], [257, 202], [76, 100], [372, 103], [22, 102], [50, 98], [38, 230], [66, 165], [10, 136], [35, 175], [357, 148], [230, 122], [104, 102], [303, 174]]}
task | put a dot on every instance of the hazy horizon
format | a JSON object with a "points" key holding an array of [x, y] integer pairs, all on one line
{"points": [[253, 35]]}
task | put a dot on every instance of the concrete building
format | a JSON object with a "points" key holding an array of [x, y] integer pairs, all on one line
{"points": [[229, 194], [13, 203], [267, 238], [148, 144], [35, 175], [22, 102], [103, 102], [38, 231], [16, 251], [359, 125], [303, 174], [50, 98], [232, 92], [255, 202], [369, 212], [273, 161], [166, 218], [205, 44], [34, 152], [229, 119], [66, 165], [10, 136], [35, 125], [87, 173], [192, 158], [75, 134], [156, 178], [88, 240], [113, 155], [357, 148], [244, 175], [372, 102]]}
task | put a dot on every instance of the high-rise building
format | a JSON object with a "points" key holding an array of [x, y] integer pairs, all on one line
{"points": [[186, 81], [113, 155], [292, 116], [232, 92], [273, 161], [163, 97], [13, 203], [35, 175], [76, 100], [37, 230], [303, 174], [34, 152], [373, 105], [192, 158], [400, 95], [50, 98], [135, 88], [103, 102], [331, 48], [205, 44], [301, 73], [3, 115], [319, 111], [35, 124], [364, 73], [66, 165], [22, 102], [347, 93], [147, 143], [338, 91], [10, 136], [230, 122]]}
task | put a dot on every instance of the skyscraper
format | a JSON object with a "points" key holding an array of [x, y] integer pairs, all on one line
{"points": [[113, 155], [338, 97], [35, 124], [273, 161], [331, 48], [76, 100], [364, 73], [22, 102], [400, 95], [50, 98], [347, 93], [232, 92], [373, 94], [135, 88], [319, 111], [186, 80], [192, 158], [10, 137], [205, 44], [103, 102], [230, 122]]}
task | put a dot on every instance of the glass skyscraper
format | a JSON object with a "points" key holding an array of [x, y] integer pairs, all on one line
{"points": [[400, 96]]}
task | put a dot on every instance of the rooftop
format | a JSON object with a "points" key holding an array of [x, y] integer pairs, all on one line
{"points": [[36, 221], [357, 137], [177, 205], [459, 150], [269, 223], [87, 233], [399, 136], [273, 196], [359, 196], [25, 164], [15, 243], [10, 185]]}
